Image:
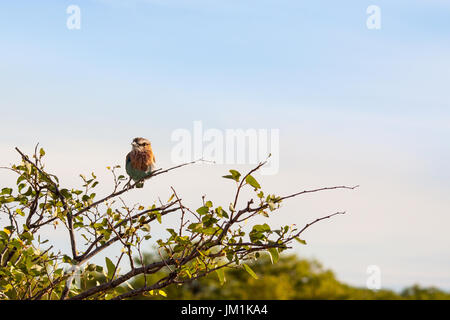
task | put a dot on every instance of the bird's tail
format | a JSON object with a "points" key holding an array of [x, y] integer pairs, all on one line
{"points": [[140, 184]]}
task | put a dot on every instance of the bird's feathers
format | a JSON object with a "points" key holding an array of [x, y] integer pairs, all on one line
{"points": [[140, 162]]}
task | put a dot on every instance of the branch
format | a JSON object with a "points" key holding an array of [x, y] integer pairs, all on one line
{"points": [[161, 283], [89, 254], [61, 197], [155, 173], [315, 190], [242, 184], [182, 211], [311, 223], [148, 269]]}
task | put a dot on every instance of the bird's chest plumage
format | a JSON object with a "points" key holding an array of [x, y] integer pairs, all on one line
{"points": [[139, 164], [141, 160]]}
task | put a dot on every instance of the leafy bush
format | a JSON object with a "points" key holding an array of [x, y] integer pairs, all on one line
{"points": [[213, 242]]}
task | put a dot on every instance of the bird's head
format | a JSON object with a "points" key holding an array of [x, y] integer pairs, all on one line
{"points": [[140, 144]]}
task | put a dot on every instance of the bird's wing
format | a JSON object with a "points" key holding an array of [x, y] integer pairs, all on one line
{"points": [[128, 163]]}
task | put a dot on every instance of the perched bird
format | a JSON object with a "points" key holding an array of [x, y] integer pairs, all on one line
{"points": [[140, 162]]}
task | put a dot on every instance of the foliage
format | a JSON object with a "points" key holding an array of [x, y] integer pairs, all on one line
{"points": [[291, 278], [210, 239]]}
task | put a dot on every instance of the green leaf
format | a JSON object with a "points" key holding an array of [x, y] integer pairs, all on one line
{"points": [[90, 267], [7, 191], [3, 235], [235, 175], [196, 227], [250, 271], [27, 236], [300, 240], [172, 232], [65, 193], [108, 296], [261, 228], [28, 166], [219, 211], [252, 181], [111, 267], [67, 259], [162, 293], [20, 179], [42, 152], [221, 275], [208, 231], [274, 255], [202, 210]]}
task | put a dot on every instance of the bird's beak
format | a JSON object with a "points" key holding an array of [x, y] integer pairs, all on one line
{"points": [[134, 144]]}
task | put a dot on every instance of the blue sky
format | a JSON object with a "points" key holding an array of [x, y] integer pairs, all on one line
{"points": [[354, 106]]}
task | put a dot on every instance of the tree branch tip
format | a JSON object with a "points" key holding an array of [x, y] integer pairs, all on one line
{"points": [[205, 160]]}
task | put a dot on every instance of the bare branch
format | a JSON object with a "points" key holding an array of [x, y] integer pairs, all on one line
{"points": [[61, 197]]}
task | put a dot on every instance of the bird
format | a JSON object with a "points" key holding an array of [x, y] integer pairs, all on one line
{"points": [[140, 161]]}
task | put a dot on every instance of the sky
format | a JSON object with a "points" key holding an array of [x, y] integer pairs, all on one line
{"points": [[354, 106]]}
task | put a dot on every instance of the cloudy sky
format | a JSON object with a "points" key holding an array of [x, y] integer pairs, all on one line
{"points": [[353, 106]]}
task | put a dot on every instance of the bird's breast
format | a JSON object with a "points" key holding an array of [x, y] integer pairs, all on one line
{"points": [[141, 160]]}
